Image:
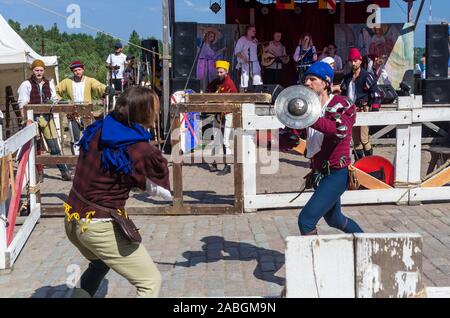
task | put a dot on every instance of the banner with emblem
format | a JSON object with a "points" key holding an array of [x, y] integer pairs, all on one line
{"points": [[327, 4]]}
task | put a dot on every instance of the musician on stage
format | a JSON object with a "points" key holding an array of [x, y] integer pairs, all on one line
{"points": [[79, 89], [222, 84], [305, 54], [39, 90], [275, 53], [328, 147], [246, 51], [360, 86], [330, 51], [130, 74]]}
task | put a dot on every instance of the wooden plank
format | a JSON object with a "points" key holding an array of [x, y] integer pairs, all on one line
{"points": [[438, 292], [4, 178], [415, 154], [430, 194], [393, 141], [3, 246], [320, 266], [186, 209], [356, 197], [382, 131], [431, 114], [369, 182], [382, 118], [436, 129], [54, 160], [238, 166], [229, 98], [301, 148], [388, 265], [23, 234], [85, 110], [402, 154], [248, 154], [177, 166], [438, 180], [255, 122], [202, 108], [13, 144]]}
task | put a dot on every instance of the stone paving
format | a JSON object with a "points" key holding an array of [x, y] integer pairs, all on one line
{"points": [[226, 255]]}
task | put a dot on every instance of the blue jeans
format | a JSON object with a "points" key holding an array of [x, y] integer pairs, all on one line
{"points": [[326, 203]]}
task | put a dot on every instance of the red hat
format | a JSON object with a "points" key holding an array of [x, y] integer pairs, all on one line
{"points": [[354, 54], [76, 64]]}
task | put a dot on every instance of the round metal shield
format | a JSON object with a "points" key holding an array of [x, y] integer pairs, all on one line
{"points": [[297, 107]]}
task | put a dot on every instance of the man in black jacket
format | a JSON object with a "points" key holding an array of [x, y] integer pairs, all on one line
{"points": [[361, 87]]}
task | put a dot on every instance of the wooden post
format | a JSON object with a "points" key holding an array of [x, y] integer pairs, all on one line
{"points": [[402, 147], [252, 15], [248, 152], [238, 175], [177, 163], [320, 266], [32, 168], [415, 145], [388, 265], [166, 58], [342, 12], [3, 246]]}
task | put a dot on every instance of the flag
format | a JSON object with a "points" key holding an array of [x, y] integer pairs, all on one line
{"points": [[327, 4], [285, 5]]}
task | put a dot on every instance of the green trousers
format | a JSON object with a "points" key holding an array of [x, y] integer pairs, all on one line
{"points": [[104, 241]]}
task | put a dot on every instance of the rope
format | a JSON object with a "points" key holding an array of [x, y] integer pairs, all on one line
{"points": [[91, 27]]}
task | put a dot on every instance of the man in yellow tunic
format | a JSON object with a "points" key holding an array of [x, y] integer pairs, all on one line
{"points": [[79, 89]]}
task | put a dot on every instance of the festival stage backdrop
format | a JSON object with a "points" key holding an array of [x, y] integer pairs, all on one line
{"points": [[218, 43], [395, 41]]}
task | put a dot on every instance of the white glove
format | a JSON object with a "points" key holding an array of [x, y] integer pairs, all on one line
{"points": [[157, 191]]}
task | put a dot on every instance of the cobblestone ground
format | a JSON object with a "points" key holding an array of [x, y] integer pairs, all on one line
{"points": [[207, 256]]}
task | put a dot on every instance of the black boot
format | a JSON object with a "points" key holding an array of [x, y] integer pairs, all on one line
{"points": [[358, 154], [213, 167], [226, 170], [368, 152]]}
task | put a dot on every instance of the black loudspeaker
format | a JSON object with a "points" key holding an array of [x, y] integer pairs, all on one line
{"points": [[272, 89], [436, 51], [184, 48], [436, 91], [146, 56], [178, 84], [389, 94]]}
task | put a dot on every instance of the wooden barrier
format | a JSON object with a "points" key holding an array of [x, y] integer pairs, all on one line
{"points": [[359, 265], [11, 244], [407, 120]]}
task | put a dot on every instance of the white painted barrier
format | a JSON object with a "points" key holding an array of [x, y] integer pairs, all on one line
{"points": [[10, 252], [359, 265], [408, 120]]}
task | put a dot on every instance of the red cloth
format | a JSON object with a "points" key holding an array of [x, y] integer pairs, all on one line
{"points": [[354, 54], [225, 86], [112, 190]]}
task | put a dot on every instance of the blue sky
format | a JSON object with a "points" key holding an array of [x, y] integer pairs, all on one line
{"points": [[145, 15]]}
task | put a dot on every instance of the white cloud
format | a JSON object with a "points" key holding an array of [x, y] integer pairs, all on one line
{"points": [[189, 3]]}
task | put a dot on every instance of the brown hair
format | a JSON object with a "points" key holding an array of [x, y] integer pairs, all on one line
{"points": [[138, 105], [303, 36]]}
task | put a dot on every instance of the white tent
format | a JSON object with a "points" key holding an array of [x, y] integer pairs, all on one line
{"points": [[15, 58]]}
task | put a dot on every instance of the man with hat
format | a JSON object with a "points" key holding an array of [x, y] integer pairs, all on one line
{"points": [[223, 84], [360, 86], [79, 89], [328, 147], [38, 90], [116, 63]]}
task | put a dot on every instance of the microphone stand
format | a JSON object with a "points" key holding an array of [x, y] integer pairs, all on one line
{"points": [[250, 69], [195, 62]]}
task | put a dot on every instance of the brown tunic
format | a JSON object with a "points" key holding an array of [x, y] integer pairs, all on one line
{"points": [[112, 190]]}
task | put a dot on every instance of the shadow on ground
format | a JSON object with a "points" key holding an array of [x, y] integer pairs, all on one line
{"points": [[216, 248]]}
